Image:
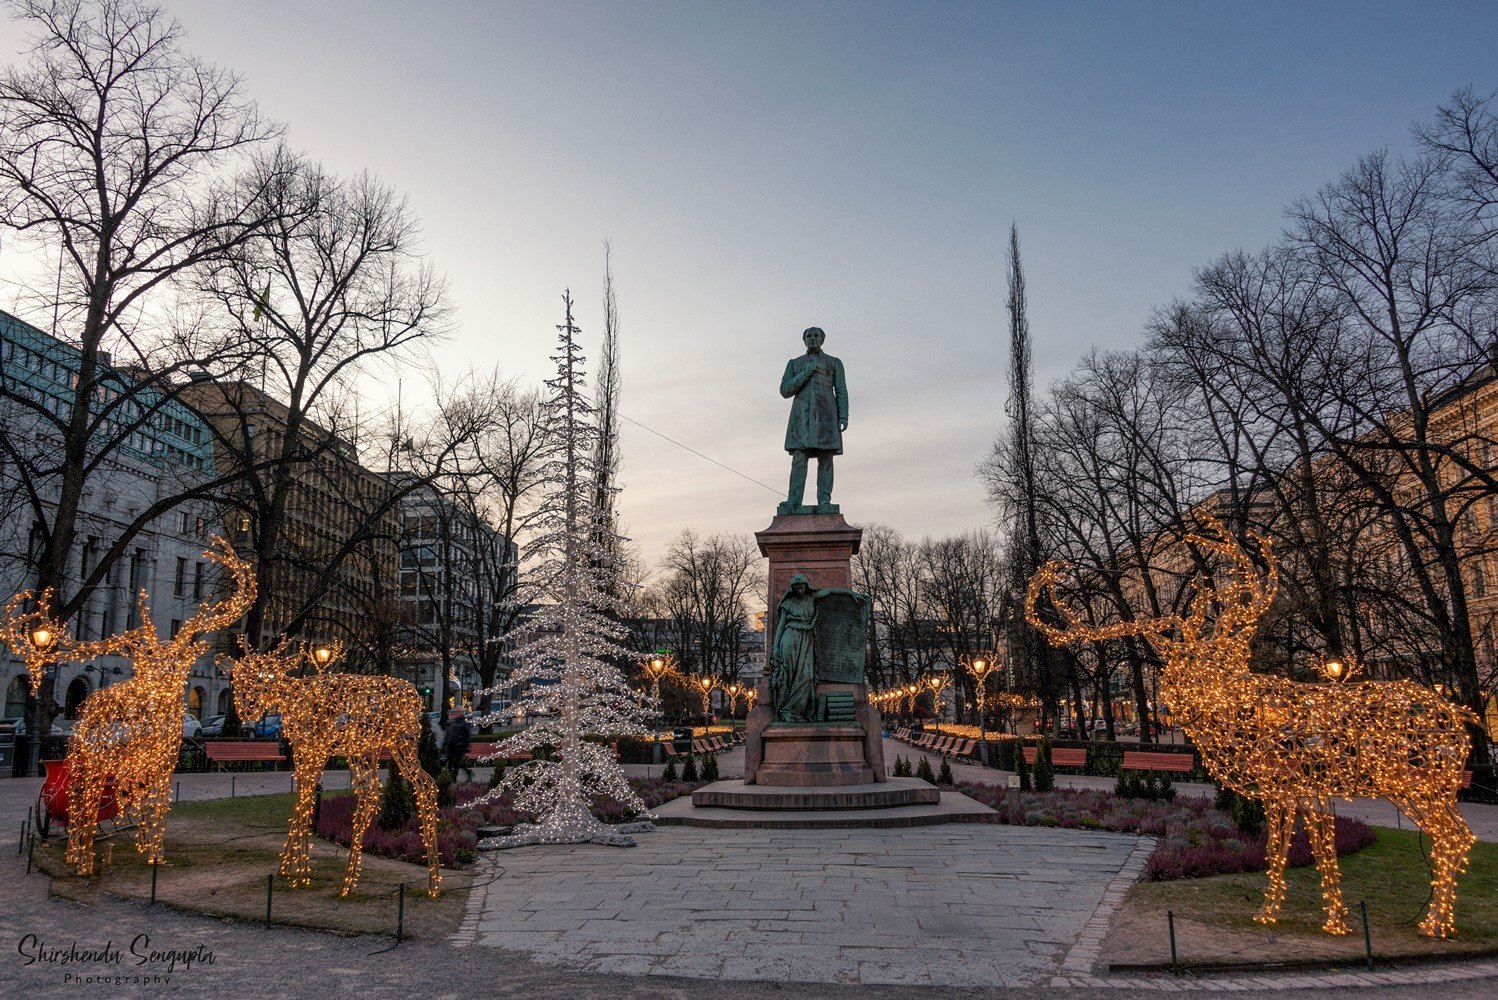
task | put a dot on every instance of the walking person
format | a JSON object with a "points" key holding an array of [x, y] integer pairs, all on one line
{"points": [[455, 743]]}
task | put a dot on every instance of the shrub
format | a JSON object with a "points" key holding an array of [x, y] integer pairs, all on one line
{"points": [[397, 802], [498, 775], [669, 774], [689, 769], [1045, 774], [427, 750], [1127, 785], [710, 768], [944, 776], [446, 794], [1247, 813], [1022, 767], [924, 772]]}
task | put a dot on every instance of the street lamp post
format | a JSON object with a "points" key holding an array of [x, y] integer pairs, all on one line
{"points": [[39, 663], [937, 683], [981, 667], [655, 668], [705, 684], [910, 693], [733, 691]]}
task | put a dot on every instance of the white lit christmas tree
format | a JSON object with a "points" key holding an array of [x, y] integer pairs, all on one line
{"points": [[571, 688]]}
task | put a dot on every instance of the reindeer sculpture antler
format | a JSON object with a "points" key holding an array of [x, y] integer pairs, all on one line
{"points": [[1295, 746]]}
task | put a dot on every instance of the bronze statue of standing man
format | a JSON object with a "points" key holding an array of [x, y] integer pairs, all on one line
{"points": [[819, 415]]}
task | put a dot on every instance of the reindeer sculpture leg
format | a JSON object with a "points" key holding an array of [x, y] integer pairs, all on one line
{"points": [[364, 775], [404, 753], [155, 802], [1280, 823], [1322, 830], [296, 856], [87, 791], [1451, 844]]}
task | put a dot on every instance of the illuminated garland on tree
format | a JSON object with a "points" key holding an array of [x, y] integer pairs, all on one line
{"points": [[1295, 746], [361, 718], [133, 730], [32, 634], [568, 650]]}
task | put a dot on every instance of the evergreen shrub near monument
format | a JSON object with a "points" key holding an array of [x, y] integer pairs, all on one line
{"points": [[944, 776], [924, 771], [1045, 773]]}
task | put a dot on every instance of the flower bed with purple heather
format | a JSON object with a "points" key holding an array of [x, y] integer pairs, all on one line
{"points": [[458, 826], [1196, 839]]}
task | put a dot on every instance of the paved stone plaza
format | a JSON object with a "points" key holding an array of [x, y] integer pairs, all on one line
{"points": [[958, 905]]}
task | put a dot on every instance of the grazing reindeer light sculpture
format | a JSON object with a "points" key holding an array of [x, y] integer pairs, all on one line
{"points": [[361, 718], [1295, 746], [133, 729]]}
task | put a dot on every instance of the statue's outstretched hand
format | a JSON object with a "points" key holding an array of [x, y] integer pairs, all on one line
{"points": [[842, 425]]}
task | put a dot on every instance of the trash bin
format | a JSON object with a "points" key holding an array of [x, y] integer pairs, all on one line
{"points": [[681, 739]]}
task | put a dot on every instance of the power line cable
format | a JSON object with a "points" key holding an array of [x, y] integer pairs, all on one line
{"points": [[694, 451]]}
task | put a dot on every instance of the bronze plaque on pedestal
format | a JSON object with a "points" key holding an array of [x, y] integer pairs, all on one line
{"points": [[842, 636]]}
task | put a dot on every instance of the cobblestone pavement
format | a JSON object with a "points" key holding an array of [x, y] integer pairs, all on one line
{"points": [[957, 905], [893, 909]]}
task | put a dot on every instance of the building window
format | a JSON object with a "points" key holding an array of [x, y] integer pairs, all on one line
{"points": [[176, 627], [180, 580], [1479, 579], [197, 582]]}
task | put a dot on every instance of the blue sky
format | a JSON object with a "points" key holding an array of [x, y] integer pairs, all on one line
{"points": [[762, 167]]}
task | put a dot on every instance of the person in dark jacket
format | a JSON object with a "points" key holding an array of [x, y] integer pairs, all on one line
{"points": [[455, 743]]}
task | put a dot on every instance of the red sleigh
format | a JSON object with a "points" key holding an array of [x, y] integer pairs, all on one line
{"points": [[52, 802]]}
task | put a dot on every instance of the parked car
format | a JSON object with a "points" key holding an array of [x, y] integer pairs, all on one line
{"points": [[192, 729], [60, 726], [213, 727], [268, 728]]}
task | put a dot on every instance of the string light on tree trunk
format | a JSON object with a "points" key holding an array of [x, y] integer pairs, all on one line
{"points": [[1294, 746]]}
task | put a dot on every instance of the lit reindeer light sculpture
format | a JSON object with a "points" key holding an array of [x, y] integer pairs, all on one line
{"points": [[1295, 746], [133, 730], [361, 718]]}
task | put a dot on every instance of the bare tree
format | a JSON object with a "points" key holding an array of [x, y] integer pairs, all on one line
{"points": [[114, 148], [705, 592]]}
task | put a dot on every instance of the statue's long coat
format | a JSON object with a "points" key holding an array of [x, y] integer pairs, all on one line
{"points": [[820, 407]]}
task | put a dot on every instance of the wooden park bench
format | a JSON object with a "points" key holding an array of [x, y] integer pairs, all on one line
{"points": [[476, 751], [236, 751], [962, 749], [1060, 756], [1143, 760]]}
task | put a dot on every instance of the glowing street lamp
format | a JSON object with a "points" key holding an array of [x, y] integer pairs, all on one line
{"points": [[910, 691], [981, 667], [657, 667], [937, 683], [705, 684], [733, 691]]}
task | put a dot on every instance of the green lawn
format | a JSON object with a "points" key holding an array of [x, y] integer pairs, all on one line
{"points": [[1214, 915], [219, 852]]}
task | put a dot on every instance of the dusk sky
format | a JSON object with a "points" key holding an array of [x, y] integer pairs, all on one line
{"points": [[762, 167]]}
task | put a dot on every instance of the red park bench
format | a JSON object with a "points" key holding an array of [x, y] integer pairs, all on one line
{"points": [[227, 751], [1142, 760], [1060, 756]]}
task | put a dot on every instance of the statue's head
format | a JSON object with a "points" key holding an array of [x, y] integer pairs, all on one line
{"points": [[813, 338], [799, 584]]}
